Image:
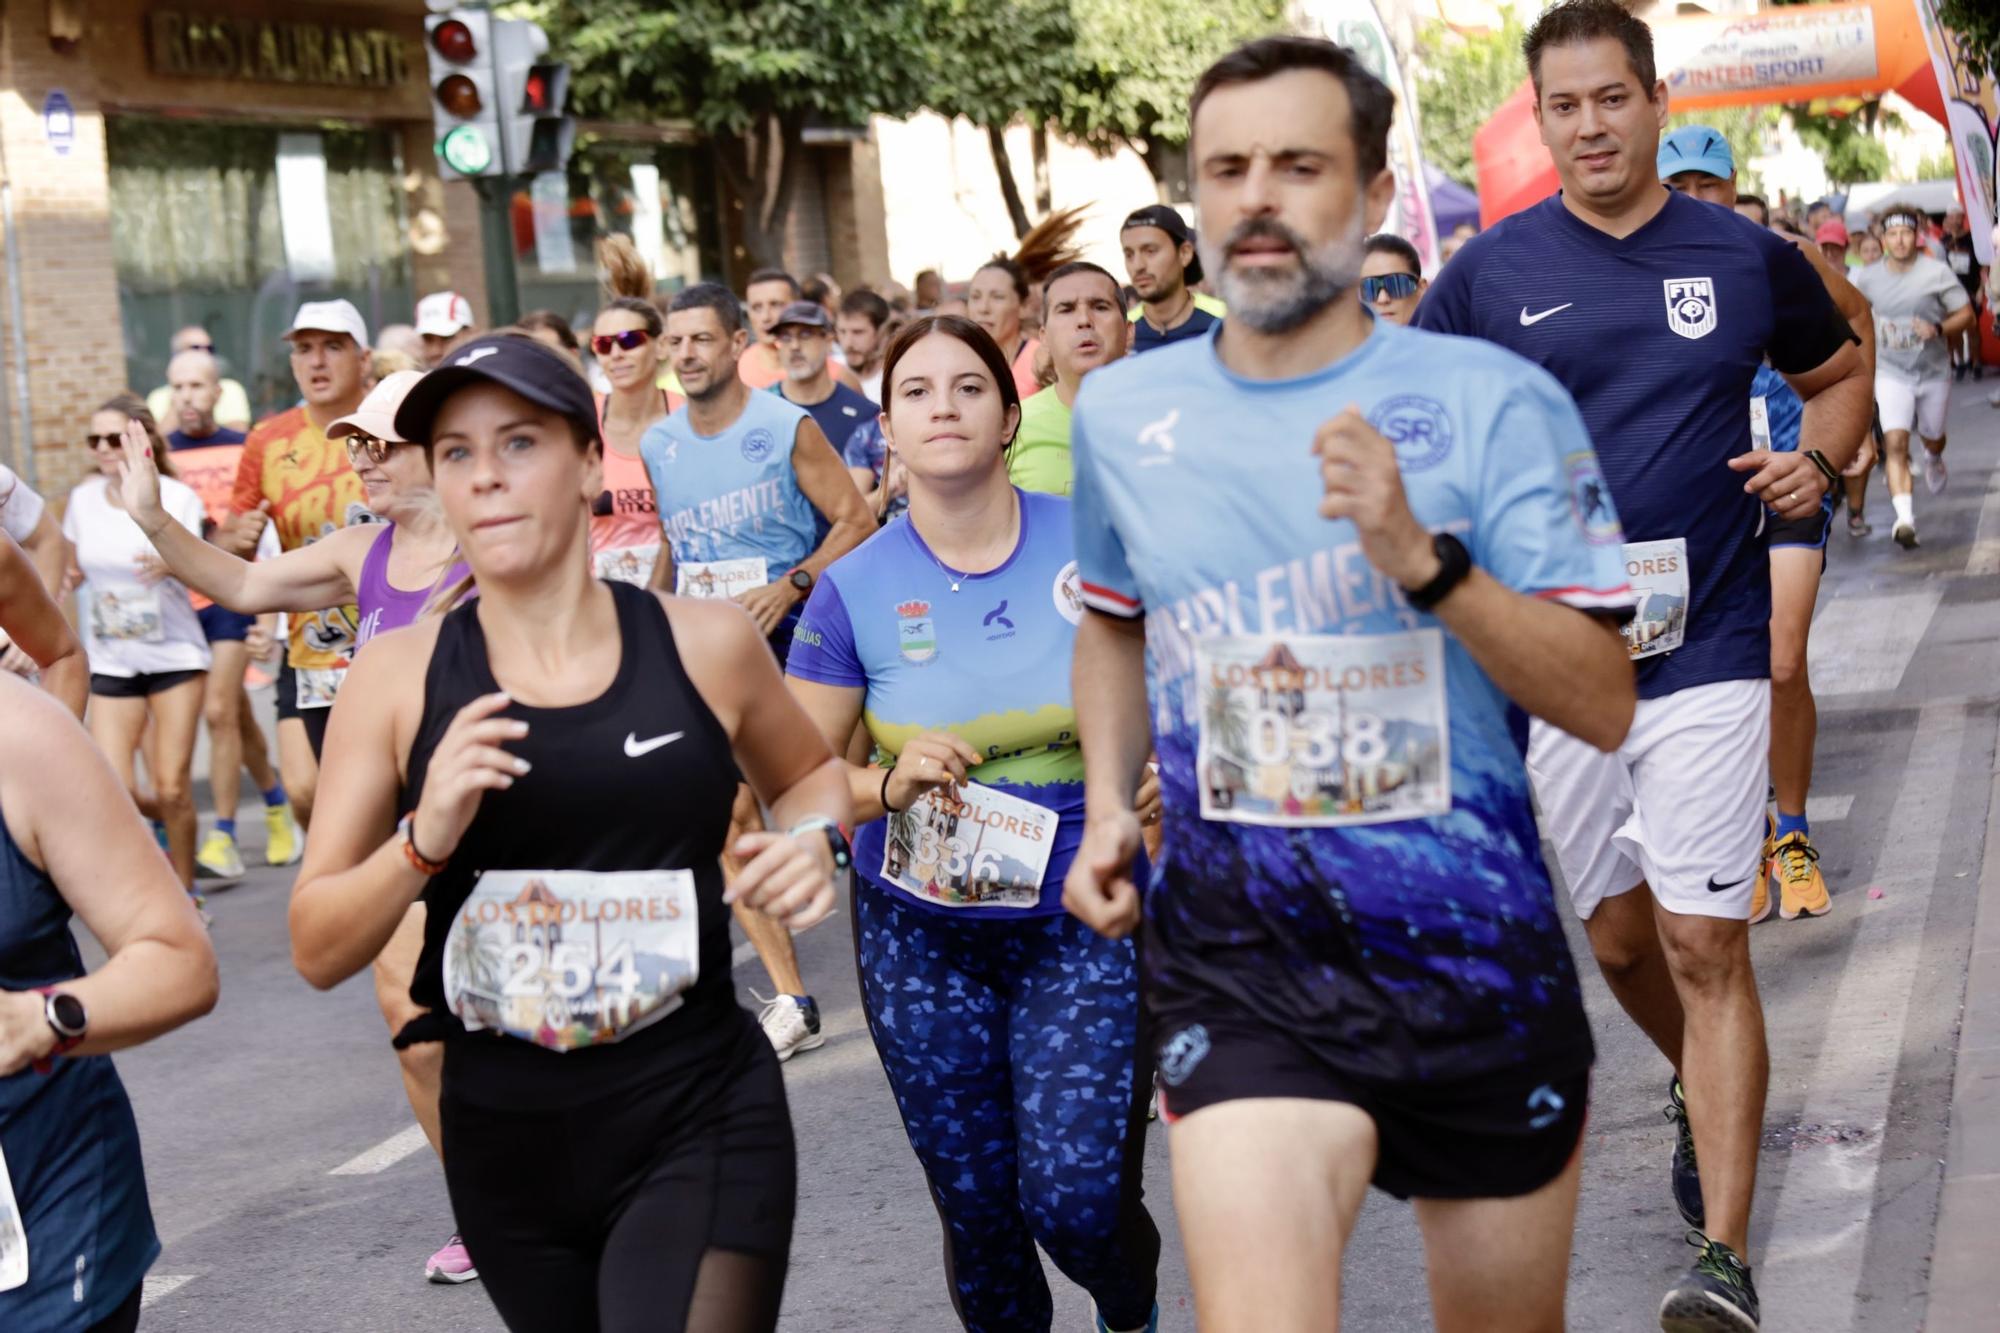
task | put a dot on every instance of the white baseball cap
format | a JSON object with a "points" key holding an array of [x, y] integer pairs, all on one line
{"points": [[442, 314], [377, 414], [330, 317]]}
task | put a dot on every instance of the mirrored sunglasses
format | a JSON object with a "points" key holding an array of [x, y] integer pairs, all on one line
{"points": [[631, 340], [1396, 285]]}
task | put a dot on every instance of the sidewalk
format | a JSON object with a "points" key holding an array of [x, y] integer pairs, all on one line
{"points": [[1965, 1265]]}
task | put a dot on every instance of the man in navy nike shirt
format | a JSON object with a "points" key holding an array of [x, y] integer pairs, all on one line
{"points": [[1655, 310]]}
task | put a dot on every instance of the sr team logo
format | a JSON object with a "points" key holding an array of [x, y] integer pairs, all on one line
{"points": [[1417, 426], [916, 632], [1691, 306], [757, 446]]}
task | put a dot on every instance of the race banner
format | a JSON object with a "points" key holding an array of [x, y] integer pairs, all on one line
{"points": [[1781, 48], [1356, 25], [1972, 108]]}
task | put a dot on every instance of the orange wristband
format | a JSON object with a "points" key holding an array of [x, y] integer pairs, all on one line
{"points": [[410, 852]]}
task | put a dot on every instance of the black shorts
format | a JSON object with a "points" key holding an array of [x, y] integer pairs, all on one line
{"points": [[140, 686], [1810, 531], [1495, 1136], [315, 719], [222, 625]]}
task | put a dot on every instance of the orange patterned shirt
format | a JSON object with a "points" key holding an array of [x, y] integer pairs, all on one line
{"points": [[311, 490]]}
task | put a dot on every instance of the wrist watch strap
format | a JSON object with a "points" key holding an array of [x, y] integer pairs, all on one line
{"points": [[1454, 563]]}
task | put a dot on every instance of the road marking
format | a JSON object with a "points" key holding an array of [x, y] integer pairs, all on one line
{"points": [[1984, 557], [1827, 809], [157, 1287], [741, 954], [1820, 1227], [1863, 645], [384, 1154]]}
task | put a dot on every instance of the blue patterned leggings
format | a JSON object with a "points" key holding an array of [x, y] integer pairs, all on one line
{"points": [[1013, 1050]]}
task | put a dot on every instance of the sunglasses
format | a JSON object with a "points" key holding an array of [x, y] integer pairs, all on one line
{"points": [[631, 340], [102, 441], [199, 347], [375, 450], [1396, 285]]}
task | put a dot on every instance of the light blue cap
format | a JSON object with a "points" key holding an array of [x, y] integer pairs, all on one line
{"points": [[1696, 148]]}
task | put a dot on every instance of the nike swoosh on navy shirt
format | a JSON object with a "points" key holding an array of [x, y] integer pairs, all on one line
{"points": [[1527, 319]]}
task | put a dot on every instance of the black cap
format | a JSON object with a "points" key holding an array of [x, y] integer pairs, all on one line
{"points": [[1175, 226], [530, 368], [811, 314]]}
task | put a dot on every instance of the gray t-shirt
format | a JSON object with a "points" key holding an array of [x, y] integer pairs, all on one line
{"points": [[1926, 290]]}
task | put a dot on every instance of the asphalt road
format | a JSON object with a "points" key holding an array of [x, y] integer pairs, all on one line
{"points": [[292, 1191]]}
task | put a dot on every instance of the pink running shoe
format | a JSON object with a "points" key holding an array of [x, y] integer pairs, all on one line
{"points": [[451, 1264]]}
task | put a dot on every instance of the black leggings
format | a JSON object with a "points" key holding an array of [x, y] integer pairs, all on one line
{"points": [[664, 1208], [126, 1317]]}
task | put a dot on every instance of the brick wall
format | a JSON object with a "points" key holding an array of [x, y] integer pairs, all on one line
{"points": [[62, 203]]}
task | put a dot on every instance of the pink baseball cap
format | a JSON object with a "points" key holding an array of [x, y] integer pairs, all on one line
{"points": [[1831, 232]]}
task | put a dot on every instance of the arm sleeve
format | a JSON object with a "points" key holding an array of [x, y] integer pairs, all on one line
{"points": [[823, 641], [20, 507], [1807, 328], [1547, 526], [1446, 306], [249, 490], [1101, 566]]}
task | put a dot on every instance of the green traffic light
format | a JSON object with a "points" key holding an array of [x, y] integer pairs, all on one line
{"points": [[466, 151]]}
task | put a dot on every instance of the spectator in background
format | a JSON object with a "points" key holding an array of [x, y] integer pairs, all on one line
{"points": [[1818, 213], [1867, 249], [766, 295], [402, 340], [1831, 237], [897, 295], [1753, 207], [232, 409], [930, 291], [1163, 268], [1084, 327], [552, 329], [1963, 261], [822, 291], [1392, 277], [863, 318], [1460, 234], [444, 320]]}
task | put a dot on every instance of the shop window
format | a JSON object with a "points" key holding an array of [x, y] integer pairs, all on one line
{"points": [[661, 195], [231, 226]]}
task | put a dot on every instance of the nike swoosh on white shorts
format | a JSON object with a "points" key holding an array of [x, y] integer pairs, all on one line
{"points": [[1527, 319], [634, 747]]}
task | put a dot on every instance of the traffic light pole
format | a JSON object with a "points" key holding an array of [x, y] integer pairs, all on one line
{"points": [[496, 235]]}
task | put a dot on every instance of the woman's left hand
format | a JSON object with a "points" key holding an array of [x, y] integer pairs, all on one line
{"points": [[25, 1034], [787, 878]]}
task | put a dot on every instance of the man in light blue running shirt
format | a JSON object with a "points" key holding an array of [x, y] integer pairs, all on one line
{"points": [[743, 478], [1340, 558]]}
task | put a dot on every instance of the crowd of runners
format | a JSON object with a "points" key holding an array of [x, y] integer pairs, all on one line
{"points": [[1173, 734]]}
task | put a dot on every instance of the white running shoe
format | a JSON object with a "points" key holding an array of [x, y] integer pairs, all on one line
{"points": [[791, 1022], [1935, 476], [1906, 535]]}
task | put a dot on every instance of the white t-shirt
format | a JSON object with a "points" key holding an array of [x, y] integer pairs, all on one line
{"points": [[871, 386], [20, 508], [130, 627]]}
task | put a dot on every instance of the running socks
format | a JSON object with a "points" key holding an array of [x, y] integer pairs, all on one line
{"points": [[1905, 507], [227, 828], [274, 797], [1790, 824]]}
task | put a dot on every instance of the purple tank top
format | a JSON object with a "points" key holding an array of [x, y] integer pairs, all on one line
{"points": [[382, 605]]}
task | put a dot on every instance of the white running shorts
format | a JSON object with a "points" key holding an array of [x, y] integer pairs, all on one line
{"points": [[1679, 806], [1917, 405]]}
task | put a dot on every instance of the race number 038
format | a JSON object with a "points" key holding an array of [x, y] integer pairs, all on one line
{"points": [[1274, 738]]}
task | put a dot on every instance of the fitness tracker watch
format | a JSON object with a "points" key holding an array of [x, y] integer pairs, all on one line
{"points": [[836, 839], [66, 1017], [1827, 469], [801, 579], [1454, 563]]}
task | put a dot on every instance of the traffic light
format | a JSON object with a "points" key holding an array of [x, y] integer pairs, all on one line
{"points": [[532, 92], [464, 111]]}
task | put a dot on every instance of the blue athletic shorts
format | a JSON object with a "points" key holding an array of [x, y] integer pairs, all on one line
{"points": [[222, 625]]}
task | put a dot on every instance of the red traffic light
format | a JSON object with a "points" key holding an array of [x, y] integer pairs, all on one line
{"points": [[452, 39], [459, 95], [535, 92]]}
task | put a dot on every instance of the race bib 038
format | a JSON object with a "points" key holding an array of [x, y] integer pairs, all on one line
{"points": [[1319, 731], [980, 848], [572, 958]]}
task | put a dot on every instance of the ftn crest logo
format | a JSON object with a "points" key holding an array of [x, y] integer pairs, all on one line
{"points": [[1691, 306]]}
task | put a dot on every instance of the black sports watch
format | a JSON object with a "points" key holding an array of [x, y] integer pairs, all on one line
{"points": [[801, 579], [1827, 469], [1454, 563]]}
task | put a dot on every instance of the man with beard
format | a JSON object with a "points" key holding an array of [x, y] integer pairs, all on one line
{"points": [[865, 335], [1162, 266], [1354, 968], [745, 480], [1083, 327], [1655, 310], [803, 336]]}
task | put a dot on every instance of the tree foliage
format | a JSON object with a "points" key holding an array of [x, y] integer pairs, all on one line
{"points": [[1465, 78], [1136, 61], [1847, 142], [1978, 22]]}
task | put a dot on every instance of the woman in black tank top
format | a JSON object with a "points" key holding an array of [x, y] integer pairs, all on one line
{"points": [[616, 1139]]}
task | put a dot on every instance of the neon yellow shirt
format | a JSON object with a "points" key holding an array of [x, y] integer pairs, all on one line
{"points": [[1040, 460]]}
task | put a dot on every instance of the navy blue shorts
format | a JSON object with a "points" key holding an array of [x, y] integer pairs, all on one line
{"points": [[1810, 531], [222, 625]]}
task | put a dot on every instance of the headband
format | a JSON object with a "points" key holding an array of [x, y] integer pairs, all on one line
{"points": [[1900, 219]]}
